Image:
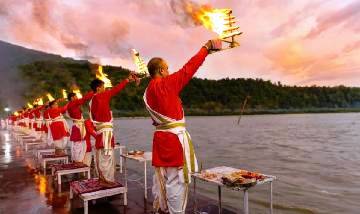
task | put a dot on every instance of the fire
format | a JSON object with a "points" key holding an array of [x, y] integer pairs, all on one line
{"points": [[39, 102], [218, 20], [214, 20], [221, 21], [140, 64], [64, 93], [29, 105], [77, 92], [102, 76], [16, 113], [50, 97]]}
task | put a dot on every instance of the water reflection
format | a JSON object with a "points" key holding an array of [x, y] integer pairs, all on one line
{"points": [[7, 154], [40, 182], [7, 137]]}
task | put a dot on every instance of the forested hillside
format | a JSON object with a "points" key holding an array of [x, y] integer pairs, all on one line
{"points": [[201, 97]]}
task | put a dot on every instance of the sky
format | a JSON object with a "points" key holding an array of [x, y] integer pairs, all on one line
{"points": [[297, 42]]}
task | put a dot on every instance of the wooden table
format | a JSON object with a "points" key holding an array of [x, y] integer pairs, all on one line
{"points": [[40, 151], [31, 143], [64, 159], [146, 157], [59, 173], [121, 149], [86, 197], [227, 170]]}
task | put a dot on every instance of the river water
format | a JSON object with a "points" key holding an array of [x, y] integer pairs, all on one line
{"points": [[315, 157]]}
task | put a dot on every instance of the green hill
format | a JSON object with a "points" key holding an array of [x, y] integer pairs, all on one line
{"points": [[200, 97], [26, 74]]}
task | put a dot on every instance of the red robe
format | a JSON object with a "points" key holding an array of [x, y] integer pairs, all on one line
{"points": [[12, 119], [162, 96], [18, 120], [57, 128], [37, 114], [100, 109], [74, 111], [31, 119], [27, 115], [90, 131], [46, 117]]}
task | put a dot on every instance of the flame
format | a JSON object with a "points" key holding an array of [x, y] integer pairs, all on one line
{"points": [[16, 113], [218, 20], [139, 62], [39, 102], [29, 105], [64, 93], [102, 76], [214, 20], [50, 97], [77, 92]]}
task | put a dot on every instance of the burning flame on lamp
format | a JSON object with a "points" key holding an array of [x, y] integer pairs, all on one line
{"points": [[141, 68], [102, 76], [221, 21], [77, 92], [29, 105], [64, 93], [50, 97], [39, 102]]}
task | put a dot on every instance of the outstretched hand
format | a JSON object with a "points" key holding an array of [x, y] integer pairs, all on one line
{"points": [[134, 78], [213, 45], [60, 99]]}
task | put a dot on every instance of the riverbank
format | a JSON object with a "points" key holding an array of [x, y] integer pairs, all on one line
{"points": [[24, 189]]}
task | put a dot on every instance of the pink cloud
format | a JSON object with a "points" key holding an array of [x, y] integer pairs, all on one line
{"points": [[334, 18], [274, 44]]}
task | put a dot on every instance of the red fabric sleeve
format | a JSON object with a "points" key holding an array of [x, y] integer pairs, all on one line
{"points": [[82, 100], [41, 107], [90, 128], [63, 109], [178, 80], [115, 90]]}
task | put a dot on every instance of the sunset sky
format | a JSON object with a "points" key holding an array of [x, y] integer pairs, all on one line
{"points": [[296, 42]]}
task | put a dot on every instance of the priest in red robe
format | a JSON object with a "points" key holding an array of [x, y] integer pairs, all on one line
{"points": [[58, 126], [173, 152], [78, 130], [101, 116]]}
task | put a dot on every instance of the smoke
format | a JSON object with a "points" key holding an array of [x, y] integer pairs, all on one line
{"points": [[187, 12], [59, 27]]}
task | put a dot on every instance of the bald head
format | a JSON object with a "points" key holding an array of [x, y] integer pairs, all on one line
{"points": [[157, 67]]}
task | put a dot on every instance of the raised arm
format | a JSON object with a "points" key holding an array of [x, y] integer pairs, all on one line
{"points": [[178, 80], [63, 109], [115, 90], [82, 100]]}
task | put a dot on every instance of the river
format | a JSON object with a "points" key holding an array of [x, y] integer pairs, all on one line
{"points": [[315, 157]]}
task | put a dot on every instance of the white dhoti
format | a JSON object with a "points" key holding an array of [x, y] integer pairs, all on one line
{"points": [[60, 145], [78, 150], [105, 164], [173, 181], [88, 158], [170, 194], [48, 136]]}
